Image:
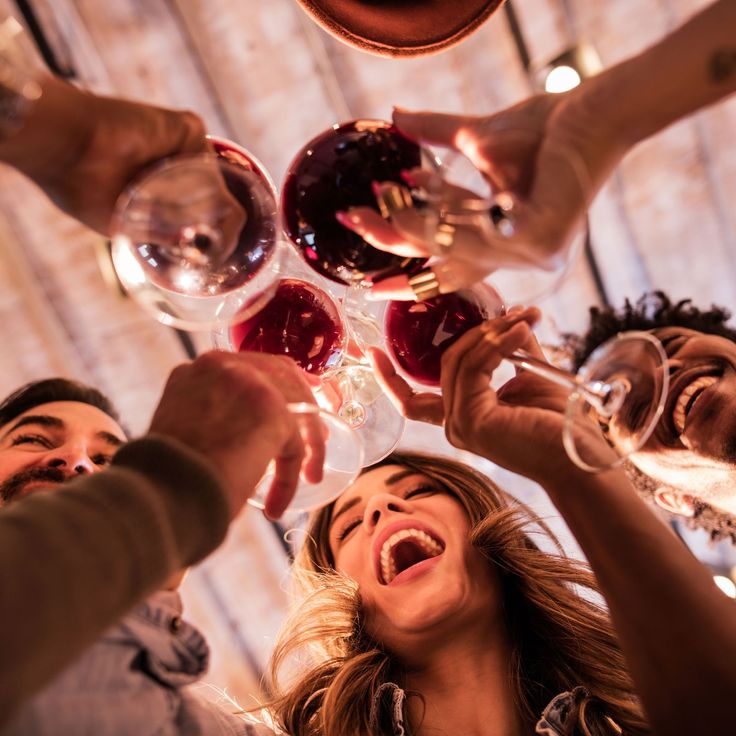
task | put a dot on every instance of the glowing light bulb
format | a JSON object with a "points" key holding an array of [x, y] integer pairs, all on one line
{"points": [[726, 585], [561, 79]]}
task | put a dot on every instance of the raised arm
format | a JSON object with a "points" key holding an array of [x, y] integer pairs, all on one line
{"points": [[676, 629], [75, 560], [527, 151]]}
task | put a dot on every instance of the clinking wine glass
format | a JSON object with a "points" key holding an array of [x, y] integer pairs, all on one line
{"points": [[472, 229], [619, 392], [335, 171], [302, 322], [195, 237]]}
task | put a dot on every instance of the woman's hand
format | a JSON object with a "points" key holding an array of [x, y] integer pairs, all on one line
{"points": [[548, 155], [519, 426]]}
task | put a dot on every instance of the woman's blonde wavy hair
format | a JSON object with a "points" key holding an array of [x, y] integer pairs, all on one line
{"points": [[560, 639]]}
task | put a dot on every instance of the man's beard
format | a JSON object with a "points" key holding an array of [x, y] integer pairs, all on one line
{"points": [[12, 486]]}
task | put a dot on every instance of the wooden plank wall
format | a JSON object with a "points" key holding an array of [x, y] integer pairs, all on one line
{"points": [[262, 74]]}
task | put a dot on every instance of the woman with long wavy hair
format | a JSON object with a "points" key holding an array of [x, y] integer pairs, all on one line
{"points": [[458, 585], [431, 602]]}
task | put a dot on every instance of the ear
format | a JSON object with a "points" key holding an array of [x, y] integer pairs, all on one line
{"points": [[675, 502]]}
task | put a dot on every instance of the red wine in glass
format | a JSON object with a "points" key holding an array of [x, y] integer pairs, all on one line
{"points": [[334, 172], [300, 321], [418, 333]]}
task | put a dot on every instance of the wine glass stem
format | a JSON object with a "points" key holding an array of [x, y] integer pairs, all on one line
{"points": [[603, 397], [351, 411]]}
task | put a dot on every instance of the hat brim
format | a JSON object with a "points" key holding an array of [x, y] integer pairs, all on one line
{"points": [[400, 27]]}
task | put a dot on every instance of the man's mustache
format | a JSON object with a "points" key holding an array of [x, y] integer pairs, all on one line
{"points": [[11, 487]]}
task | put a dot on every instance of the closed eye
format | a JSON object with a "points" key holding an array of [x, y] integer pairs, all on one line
{"points": [[31, 439], [352, 524], [422, 490]]}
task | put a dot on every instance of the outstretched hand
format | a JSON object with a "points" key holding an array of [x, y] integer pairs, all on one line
{"points": [[519, 426], [546, 155]]}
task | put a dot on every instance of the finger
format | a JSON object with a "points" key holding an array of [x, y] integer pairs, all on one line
{"points": [[433, 183], [315, 439], [288, 466], [490, 333], [383, 234], [421, 407], [185, 131], [430, 127], [450, 276]]}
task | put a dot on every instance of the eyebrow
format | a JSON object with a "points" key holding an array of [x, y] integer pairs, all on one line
{"points": [[391, 480], [46, 420]]}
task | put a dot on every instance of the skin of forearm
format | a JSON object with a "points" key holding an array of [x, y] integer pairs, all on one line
{"points": [[677, 630], [53, 135], [691, 68]]}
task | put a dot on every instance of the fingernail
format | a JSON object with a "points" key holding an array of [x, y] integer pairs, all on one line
{"points": [[347, 218], [376, 187], [516, 309]]}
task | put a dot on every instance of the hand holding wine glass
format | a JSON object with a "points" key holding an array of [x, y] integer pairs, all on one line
{"points": [[234, 410], [544, 161], [518, 426]]}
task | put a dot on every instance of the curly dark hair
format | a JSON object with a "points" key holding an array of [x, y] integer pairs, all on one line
{"points": [[651, 311], [50, 390]]}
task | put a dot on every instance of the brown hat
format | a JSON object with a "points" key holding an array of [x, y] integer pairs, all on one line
{"points": [[400, 27]]}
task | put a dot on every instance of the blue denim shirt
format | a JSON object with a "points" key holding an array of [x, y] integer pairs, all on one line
{"points": [[135, 680]]}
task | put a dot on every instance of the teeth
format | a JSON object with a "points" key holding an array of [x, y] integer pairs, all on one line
{"points": [[679, 415], [388, 566]]}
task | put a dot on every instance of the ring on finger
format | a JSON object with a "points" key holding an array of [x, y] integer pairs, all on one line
{"points": [[424, 284], [392, 198]]}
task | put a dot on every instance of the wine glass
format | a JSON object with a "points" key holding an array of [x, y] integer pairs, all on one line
{"points": [[474, 230], [332, 173], [304, 322], [194, 238], [343, 460], [619, 392]]}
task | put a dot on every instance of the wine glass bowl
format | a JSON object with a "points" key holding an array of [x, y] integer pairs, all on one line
{"points": [[417, 334], [195, 238], [627, 380], [343, 453], [334, 172], [300, 321]]}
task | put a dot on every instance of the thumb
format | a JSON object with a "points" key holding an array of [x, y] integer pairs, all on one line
{"points": [[430, 127]]}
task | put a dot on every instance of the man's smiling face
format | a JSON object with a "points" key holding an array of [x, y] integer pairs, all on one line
{"points": [[53, 443], [693, 447]]}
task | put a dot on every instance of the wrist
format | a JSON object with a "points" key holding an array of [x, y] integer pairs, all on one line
{"points": [[32, 149]]}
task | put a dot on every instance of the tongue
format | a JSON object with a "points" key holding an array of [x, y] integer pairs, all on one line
{"points": [[407, 553]]}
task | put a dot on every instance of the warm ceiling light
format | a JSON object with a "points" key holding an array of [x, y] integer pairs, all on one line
{"points": [[568, 69], [726, 585], [561, 79]]}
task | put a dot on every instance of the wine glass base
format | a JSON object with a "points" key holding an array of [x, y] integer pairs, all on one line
{"points": [[635, 365]]}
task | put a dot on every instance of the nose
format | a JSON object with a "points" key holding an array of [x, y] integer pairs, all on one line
{"points": [[72, 461], [382, 505]]}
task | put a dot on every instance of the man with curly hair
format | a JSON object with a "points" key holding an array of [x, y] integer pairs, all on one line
{"points": [[688, 466]]}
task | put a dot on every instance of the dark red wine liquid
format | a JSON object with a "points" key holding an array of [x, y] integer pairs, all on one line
{"points": [[334, 172], [418, 333], [300, 321]]}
